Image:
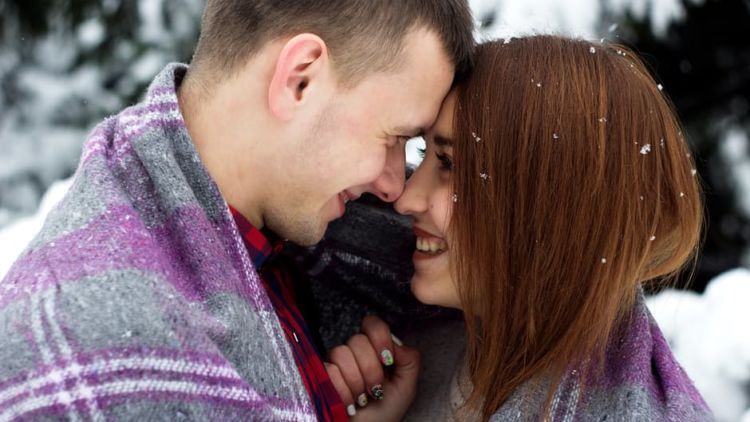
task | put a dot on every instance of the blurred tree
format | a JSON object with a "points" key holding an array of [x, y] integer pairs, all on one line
{"points": [[64, 66]]}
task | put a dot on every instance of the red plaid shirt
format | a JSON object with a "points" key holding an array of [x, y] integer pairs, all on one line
{"points": [[278, 284]]}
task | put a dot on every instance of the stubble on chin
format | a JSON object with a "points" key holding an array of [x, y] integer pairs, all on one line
{"points": [[302, 231]]}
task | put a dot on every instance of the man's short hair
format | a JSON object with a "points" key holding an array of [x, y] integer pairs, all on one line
{"points": [[363, 36]]}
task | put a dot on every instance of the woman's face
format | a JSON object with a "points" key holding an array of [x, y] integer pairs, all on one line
{"points": [[428, 197]]}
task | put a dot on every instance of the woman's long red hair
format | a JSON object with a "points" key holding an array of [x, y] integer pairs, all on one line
{"points": [[588, 191]]}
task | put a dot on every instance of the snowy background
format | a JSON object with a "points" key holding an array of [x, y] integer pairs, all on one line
{"points": [[65, 65]]}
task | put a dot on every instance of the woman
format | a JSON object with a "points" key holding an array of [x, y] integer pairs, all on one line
{"points": [[555, 183]]}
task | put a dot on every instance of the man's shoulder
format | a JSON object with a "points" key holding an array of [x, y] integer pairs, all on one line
{"points": [[123, 344], [113, 310]]}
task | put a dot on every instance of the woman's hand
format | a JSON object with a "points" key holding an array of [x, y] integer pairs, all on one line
{"points": [[375, 375]]}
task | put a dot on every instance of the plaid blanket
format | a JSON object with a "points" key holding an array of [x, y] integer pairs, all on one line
{"points": [[137, 300]]}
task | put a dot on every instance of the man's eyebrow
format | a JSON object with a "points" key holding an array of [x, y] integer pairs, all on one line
{"points": [[442, 141], [411, 132]]}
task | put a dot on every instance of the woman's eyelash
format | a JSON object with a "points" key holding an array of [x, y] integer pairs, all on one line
{"points": [[445, 161]]}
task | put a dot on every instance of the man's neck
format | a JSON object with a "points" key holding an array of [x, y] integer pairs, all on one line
{"points": [[233, 160]]}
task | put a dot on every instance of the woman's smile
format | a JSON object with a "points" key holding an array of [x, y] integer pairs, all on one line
{"points": [[428, 245]]}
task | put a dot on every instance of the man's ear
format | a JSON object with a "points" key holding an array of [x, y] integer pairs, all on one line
{"points": [[301, 64]]}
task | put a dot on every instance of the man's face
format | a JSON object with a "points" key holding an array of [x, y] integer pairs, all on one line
{"points": [[355, 142]]}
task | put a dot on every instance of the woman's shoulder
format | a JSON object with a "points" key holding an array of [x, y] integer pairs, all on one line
{"points": [[641, 380]]}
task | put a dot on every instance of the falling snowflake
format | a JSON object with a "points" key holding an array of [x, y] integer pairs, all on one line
{"points": [[660, 87], [613, 27], [602, 120], [555, 136], [455, 197], [604, 260], [652, 238], [646, 149], [592, 50], [485, 177], [682, 194], [476, 138], [693, 172], [661, 142]]}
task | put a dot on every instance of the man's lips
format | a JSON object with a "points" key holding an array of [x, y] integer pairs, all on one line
{"points": [[344, 197]]}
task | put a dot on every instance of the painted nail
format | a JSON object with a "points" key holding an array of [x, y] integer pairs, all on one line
{"points": [[377, 392], [362, 400], [351, 410], [397, 340], [387, 357]]}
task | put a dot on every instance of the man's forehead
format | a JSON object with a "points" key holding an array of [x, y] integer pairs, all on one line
{"points": [[419, 120]]}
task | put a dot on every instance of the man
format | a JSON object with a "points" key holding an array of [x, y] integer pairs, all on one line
{"points": [[141, 296]]}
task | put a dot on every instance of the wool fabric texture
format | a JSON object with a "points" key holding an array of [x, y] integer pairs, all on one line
{"points": [[137, 300]]}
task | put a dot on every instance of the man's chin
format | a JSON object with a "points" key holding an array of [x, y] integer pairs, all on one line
{"points": [[304, 236], [307, 241]]}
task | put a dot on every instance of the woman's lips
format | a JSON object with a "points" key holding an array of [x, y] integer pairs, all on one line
{"points": [[428, 245]]}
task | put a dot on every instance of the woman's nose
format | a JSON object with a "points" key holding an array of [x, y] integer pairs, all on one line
{"points": [[414, 199]]}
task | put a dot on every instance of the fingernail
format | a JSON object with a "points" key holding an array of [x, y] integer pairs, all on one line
{"points": [[377, 392], [387, 357], [397, 340], [362, 400], [351, 410]]}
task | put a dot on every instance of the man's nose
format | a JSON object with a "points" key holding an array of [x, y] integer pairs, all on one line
{"points": [[390, 183]]}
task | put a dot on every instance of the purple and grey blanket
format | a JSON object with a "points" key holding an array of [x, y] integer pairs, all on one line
{"points": [[641, 381], [137, 300]]}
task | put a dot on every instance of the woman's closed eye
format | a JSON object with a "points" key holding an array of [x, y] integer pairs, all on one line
{"points": [[446, 163]]}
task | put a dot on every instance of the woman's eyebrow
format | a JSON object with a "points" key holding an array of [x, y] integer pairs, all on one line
{"points": [[442, 141]]}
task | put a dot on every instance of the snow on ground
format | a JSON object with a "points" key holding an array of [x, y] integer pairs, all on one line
{"points": [[709, 336], [15, 237]]}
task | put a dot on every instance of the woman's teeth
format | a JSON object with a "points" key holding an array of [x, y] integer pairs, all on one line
{"points": [[433, 246]]}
